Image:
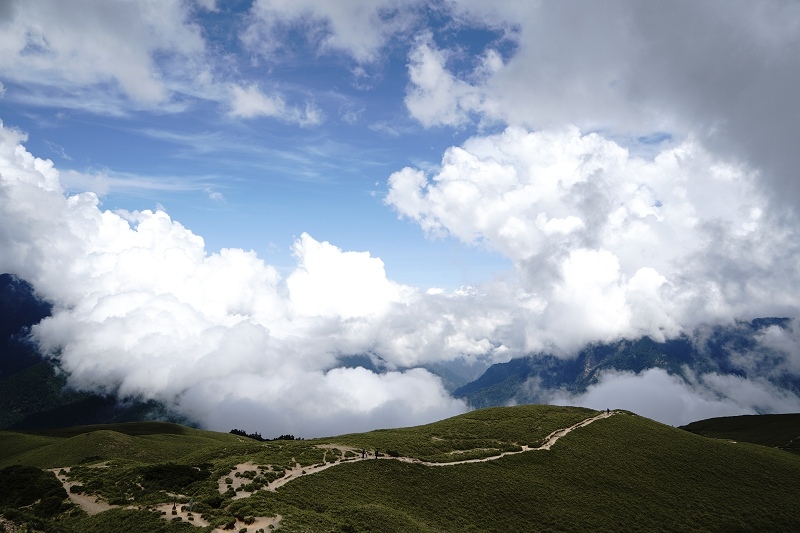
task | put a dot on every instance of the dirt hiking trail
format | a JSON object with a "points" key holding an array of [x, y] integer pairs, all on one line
{"points": [[300, 471], [92, 505]]}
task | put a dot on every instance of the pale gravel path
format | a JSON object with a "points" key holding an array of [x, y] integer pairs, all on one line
{"points": [[549, 441], [92, 506], [298, 471]]}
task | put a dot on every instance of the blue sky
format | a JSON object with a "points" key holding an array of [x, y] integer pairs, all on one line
{"points": [[533, 176], [257, 183]]}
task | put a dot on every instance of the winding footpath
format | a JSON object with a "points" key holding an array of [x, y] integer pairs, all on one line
{"points": [[546, 445], [549, 441], [92, 505]]}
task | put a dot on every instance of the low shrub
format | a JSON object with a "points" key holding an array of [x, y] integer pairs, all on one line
{"points": [[21, 486]]}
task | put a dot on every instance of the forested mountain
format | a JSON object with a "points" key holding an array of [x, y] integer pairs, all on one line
{"points": [[715, 349]]}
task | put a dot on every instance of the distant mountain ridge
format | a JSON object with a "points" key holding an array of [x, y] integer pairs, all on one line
{"points": [[528, 379]]}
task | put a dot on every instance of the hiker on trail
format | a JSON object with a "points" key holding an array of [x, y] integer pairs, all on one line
{"points": [[363, 453], [608, 412], [376, 453]]}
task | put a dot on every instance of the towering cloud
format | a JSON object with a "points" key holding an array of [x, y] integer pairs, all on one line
{"points": [[142, 310], [608, 245], [724, 71], [604, 245], [636, 164]]}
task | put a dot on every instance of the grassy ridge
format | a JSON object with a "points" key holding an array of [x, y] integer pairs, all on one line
{"points": [[14, 444], [127, 428], [146, 442], [624, 473], [484, 433], [778, 431]]}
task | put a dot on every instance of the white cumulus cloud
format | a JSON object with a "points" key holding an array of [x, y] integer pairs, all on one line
{"points": [[250, 102], [611, 245], [141, 309], [67, 45], [724, 71], [359, 28], [436, 97]]}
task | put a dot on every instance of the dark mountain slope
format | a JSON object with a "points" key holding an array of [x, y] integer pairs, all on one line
{"points": [[777, 431], [33, 393], [19, 310], [531, 379]]}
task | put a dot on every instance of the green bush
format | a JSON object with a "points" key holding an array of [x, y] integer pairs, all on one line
{"points": [[215, 502], [127, 521], [172, 477], [21, 486]]}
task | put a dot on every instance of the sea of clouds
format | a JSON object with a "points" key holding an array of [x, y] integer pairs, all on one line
{"points": [[637, 164], [604, 246]]}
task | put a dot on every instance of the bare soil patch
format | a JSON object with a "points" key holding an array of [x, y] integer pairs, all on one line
{"points": [[91, 504]]}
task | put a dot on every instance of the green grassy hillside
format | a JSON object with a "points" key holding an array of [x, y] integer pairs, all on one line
{"points": [[480, 433], [778, 431], [622, 473], [145, 442]]}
